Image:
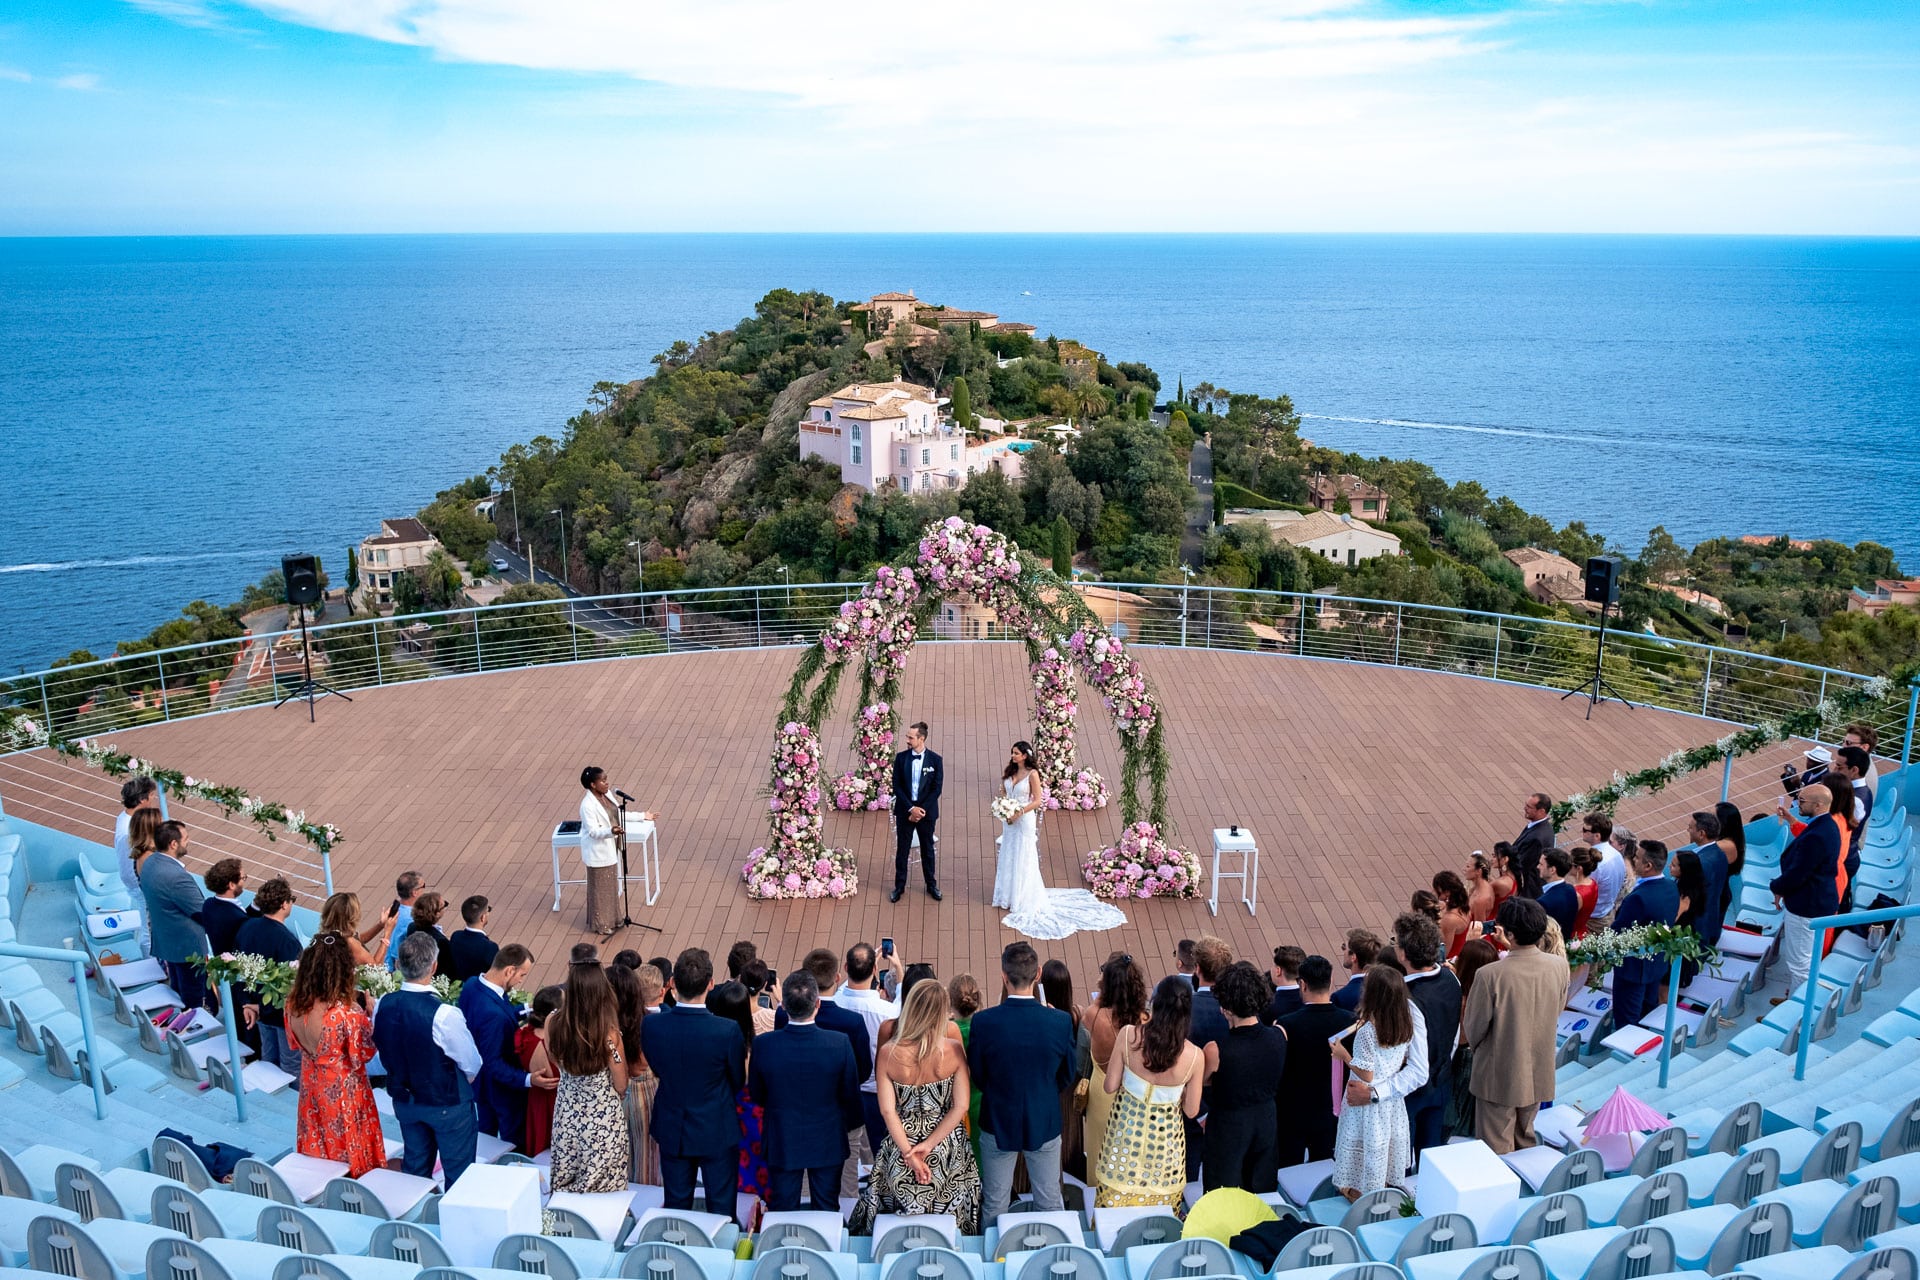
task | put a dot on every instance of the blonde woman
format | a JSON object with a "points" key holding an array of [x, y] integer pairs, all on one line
{"points": [[925, 1164], [341, 914]]}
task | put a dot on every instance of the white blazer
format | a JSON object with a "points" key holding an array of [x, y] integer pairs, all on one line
{"points": [[596, 833]]}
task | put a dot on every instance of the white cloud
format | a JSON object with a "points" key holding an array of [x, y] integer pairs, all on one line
{"points": [[84, 81], [16, 75]]}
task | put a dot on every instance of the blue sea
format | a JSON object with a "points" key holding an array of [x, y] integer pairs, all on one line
{"points": [[176, 413]]}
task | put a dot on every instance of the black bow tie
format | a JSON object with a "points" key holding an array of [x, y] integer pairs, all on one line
{"points": [[917, 756]]}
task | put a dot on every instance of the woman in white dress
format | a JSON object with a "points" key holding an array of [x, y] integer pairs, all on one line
{"points": [[1033, 909], [1373, 1145]]}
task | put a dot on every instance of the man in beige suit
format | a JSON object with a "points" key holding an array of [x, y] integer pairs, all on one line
{"points": [[1509, 1023]]}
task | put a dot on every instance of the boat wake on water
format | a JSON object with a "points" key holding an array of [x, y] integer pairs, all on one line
{"points": [[125, 562]]}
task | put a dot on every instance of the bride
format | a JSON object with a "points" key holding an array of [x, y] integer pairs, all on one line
{"points": [[1033, 909]]}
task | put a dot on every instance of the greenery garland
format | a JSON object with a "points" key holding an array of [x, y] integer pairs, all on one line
{"points": [[273, 979], [1808, 722], [1604, 950], [23, 733]]}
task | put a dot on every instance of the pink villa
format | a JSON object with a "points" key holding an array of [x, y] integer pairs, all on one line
{"points": [[881, 433]]}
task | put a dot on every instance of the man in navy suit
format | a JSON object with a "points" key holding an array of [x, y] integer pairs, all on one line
{"points": [[1531, 845], [1652, 899], [500, 1090], [1021, 1055], [804, 1078], [1807, 885], [1363, 948], [472, 950], [1209, 1025], [701, 1061], [916, 808]]}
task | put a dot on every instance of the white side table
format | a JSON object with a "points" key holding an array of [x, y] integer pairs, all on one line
{"points": [[1225, 842], [643, 838]]}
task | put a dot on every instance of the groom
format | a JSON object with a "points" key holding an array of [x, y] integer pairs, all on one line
{"points": [[916, 807]]}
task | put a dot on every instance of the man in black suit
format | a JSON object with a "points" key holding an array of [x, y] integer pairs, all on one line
{"points": [[1435, 992], [701, 1062], [472, 950], [916, 808], [824, 965], [1021, 1055], [1531, 845], [1363, 948], [223, 915], [804, 1078], [1209, 1025], [1286, 984], [1304, 1130]]}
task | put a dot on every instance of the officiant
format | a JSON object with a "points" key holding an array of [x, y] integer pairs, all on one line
{"points": [[602, 837]]}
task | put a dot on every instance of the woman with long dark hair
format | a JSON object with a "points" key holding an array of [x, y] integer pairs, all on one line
{"points": [[590, 1145], [530, 1043], [1373, 1145], [1056, 987], [1119, 1002], [1733, 843], [1155, 1076], [731, 1002], [1456, 910], [1687, 873], [334, 1037]]}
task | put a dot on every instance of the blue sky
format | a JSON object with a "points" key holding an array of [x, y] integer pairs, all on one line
{"points": [[170, 116]]}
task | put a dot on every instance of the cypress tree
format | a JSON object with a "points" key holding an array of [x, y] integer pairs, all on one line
{"points": [[963, 404], [1062, 547]]}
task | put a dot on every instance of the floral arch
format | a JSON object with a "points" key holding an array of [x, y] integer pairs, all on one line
{"points": [[1065, 643]]}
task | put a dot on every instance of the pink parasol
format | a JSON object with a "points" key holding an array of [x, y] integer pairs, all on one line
{"points": [[1624, 1113]]}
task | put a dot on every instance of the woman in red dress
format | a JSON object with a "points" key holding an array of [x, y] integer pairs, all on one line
{"points": [[530, 1043], [337, 1119], [1585, 860]]}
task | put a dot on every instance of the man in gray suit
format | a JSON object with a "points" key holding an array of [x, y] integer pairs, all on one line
{"points": [[174, 902]]}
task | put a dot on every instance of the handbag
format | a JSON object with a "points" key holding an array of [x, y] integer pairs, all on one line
{"points": [[1082, 1090]]}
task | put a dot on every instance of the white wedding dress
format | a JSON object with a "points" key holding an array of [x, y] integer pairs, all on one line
{"points": [[1033, 909]]}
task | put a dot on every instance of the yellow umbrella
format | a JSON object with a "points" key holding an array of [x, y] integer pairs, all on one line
{"points": [[1224, 1213]]}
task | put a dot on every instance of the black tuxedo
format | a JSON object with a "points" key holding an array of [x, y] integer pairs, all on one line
{"points": [[1528, 848], [932, 772], [804, 1077]]}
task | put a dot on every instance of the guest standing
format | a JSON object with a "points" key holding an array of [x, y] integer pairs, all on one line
{"points": [[221, 914], [1585, 891], [1532, 844], [1056, 988], [1557, 895], [494, 1021], [601, 838], [1363, 948], [471, 948], [1120, 1002], [804, 1081], [701, 1062], [407, 886], [1436, 997], [266, 934], [1155, 1076], [729, 1003], [924, 1164], [1805, 887], [643, 1086], [173, 913], [430, 1061], [756, 977], [1239, 1141], [1305, 1128], [338, 1119], [427, 910], [1477, 876], [1020, 1060], [1690, 883], [589, 1123], [136, 794], [530, 1045], [341, 914], [964, 999], [1653, 899], [860, 996], [1510, 1021], [1286, 984], [1205, 1030], [1373, 1146], [1715, 873], [1456, 910], [1473, 958], [1610, 875]]}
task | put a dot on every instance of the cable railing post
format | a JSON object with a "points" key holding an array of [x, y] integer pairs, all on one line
{"points": [[273, 674], [479, 658], [1906, 745], [1399, 624], [758, 639], [1726, 779], [160, 665], [573, 631], [46, 709], [379, 674], [1706, 687], [1496, 648], [233, 1051], [1209, 641]]}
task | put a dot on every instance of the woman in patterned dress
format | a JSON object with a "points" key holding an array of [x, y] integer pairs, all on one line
{"points": [[325, 1023], [924, 1164], [1154, 1076], [1119, 1003], [590, 1146]]}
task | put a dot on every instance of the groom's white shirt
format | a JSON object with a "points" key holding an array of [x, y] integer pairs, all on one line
{"points": [[914, 764]]}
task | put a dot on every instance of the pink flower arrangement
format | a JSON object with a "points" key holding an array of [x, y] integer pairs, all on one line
{"points": [[796, 864], [971, 560], [867, 786], [1054, 710], [1117, 677], [1142, 865], [1084, 790]]}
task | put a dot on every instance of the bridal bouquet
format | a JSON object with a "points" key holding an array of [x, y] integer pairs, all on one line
{"points": [[1006, 808]]}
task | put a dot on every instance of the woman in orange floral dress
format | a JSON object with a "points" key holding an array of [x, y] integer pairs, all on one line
{"points": [[338, 1119]]}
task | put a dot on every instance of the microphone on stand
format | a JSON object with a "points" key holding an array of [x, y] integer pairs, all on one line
{"points": [[624, 796]]}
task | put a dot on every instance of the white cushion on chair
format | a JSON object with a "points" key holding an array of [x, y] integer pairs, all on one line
{"points": [[605, 1210], [307, 1176], [399, 1192]]}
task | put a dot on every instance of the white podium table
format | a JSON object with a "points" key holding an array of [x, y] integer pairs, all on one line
{"points": [[643, 838], [1225, 842]]}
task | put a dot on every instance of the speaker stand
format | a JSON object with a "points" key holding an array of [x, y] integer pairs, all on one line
{"points": [[1597, 689], [309, 688]]}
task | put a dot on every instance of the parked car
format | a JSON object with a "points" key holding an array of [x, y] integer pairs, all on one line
{"points": [[500, 565]]}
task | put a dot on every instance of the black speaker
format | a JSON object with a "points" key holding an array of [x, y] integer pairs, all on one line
{"points": [[1603, 579], [302, 574]]}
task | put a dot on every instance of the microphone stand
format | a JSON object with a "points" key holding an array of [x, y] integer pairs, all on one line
{"points": [[626, 909]]}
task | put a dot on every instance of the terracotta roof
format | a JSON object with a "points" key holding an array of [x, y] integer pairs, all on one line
{"points": [[1011, 326], [875, 393], [942, 315], [894, 297], [873, 413], [405, 529], [1545, 561], [1346, 484], [1322, 524]]}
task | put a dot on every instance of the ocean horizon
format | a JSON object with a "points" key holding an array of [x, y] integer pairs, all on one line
{"points": [[177, 412]]}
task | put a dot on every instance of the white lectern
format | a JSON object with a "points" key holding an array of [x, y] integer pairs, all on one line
{"points": [[1229, 842], [643, 838]]}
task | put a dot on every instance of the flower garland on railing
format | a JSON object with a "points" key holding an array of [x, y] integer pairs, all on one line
{"points": [[1808, 722], [1603, 950], [797, 864], [870, 784], [24, 733], [272, 980], [1142, 865], [1054, 709]]}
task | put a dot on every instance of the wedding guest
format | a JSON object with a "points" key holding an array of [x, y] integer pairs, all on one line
{"points": [[824, 965], [1021, 1060], [1372, 1146], [1305, 1128], [1477, 878], [600, 839], [728, 1001], [1119, 1002], [924, 1164], [1867, 738], [1704, 831], [1456, 910], [407, 886], [643, 1086], [1363, 948], [1155, 1075], [1532, 843], [1473, 958], [472, 950], [265, 934], [173, 901], [341, 914], [664, 967], [427, 910], [1286, 984], [1609, 844], [1426, 902], [1733, 844], [1653, 899], [701, 1062], [1849, 772], [136, 794], [430, 1060], [1805, 887], [1580, 875], [1206, 1028], [804, 1081], [221, 914], [739, 956], [1437, 998], [1690, 882], [914, 975], [1183, 959], [628, 959], [757, 978], [1056, 988], [338, 1119], [530, 1046], [1557, 895], [1510, 1021], [590, 1153], [859, 995], [500, 1089], [1503, 879], [964, 999], [1239, 1139]]}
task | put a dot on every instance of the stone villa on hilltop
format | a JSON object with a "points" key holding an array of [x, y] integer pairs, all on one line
{"points": [[888, 313], [1360, 498], [892, 433], [401, 544]]}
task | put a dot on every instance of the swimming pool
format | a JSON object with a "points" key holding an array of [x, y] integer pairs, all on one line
{"points": [[1021, 446]]}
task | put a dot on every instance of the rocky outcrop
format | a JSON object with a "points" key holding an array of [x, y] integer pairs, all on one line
{"points": [[791, 403]]}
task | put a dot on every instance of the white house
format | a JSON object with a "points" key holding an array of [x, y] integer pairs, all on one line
{"points": [[1339, 538], [881, 433]]}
